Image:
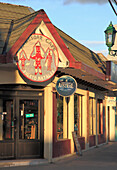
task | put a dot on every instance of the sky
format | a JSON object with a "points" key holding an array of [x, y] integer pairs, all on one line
{"points": [[83, 20]]}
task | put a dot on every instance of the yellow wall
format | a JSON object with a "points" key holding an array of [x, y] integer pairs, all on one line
{"points": [[48, 122], [9, 75]]}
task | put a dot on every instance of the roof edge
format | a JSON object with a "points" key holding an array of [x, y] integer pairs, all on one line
{"points": [[14, 4], [88, 69], [41, 16]]}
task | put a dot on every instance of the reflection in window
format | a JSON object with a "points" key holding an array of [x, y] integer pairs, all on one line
{"points": [[29, 128], [78, 113], [59, 117], [91, 116], [110, 38], [6, 120], [100, 116]]}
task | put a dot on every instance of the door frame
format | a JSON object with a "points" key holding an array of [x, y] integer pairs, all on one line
{"points": [[16, 96]]}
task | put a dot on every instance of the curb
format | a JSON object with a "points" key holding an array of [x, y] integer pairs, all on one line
{"points": [[13, 163]]}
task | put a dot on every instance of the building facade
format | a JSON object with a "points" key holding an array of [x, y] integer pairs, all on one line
{"points": [[35, 121]]}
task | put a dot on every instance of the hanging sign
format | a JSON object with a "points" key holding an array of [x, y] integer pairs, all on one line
{"points": [[38, 58], [66, 86]]}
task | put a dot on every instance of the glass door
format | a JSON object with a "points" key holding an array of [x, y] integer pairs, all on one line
{"points": [[29, 120], [21, 128], [30, 143], [7, 120], [7, 126]]}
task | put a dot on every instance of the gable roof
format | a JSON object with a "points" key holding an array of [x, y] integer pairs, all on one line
{"points": [[15, 31], [82, 53], [32, 25], [18, 27], [9, 13]]}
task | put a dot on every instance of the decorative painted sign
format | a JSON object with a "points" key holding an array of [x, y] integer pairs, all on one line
{"points": [[38, 59], [66, 86]]}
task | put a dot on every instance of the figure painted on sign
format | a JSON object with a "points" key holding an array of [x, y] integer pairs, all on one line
{"points": [[37, 56], [23, 59], [49, 60]]}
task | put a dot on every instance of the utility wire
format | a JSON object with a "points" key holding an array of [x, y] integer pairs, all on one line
{"points": [[113, 6], [115, 2]]}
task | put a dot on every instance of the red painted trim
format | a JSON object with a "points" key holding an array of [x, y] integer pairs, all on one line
{"points": [[101, 107], [60, 42], [92, 140], [105, 114], [37, 20], [23, 37], [108, 70], [82, 142], [101, 139], [54, 118], [87, 116], [60, 147]]}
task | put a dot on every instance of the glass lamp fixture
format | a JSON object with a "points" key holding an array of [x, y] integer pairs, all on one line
{"points": [[110, 35]]}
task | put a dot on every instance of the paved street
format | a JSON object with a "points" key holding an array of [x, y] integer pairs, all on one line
{"points": [[101, 158]]}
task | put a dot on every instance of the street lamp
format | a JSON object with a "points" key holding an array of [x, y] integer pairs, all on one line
{"points": [[110, 36]]}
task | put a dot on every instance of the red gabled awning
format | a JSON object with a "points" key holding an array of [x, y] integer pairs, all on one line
{"points": [[42, 16]]}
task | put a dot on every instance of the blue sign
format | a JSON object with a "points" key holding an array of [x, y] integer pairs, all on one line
{"points": [[66, 86]]}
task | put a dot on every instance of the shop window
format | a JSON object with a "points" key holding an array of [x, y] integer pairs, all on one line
{"points": [[78, 114], [29, 120], [61, 117], [6, 120], [100, 116], [91, 132]]}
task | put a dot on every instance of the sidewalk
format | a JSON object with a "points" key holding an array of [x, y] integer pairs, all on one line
{"points": [[103, 157]]}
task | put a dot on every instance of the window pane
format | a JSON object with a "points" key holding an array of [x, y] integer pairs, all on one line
{"points": [[29, 119], [59, 117], [6, 120], [91, 116], [100, 116], [76, 113]]}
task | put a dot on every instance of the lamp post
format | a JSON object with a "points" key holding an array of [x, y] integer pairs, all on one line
{"points": [[110, 36]]}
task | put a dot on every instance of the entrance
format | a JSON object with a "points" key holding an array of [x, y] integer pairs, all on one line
{"points": [[21, 128]]}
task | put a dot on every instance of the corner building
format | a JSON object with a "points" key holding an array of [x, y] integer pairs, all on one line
{"points": [[35, 121]]}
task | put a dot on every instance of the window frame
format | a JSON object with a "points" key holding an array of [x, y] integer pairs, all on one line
{"points": [[79, 114]]}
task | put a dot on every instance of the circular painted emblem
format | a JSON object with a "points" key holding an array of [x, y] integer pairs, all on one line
{"points": [[66, 86], [38, 59]]}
